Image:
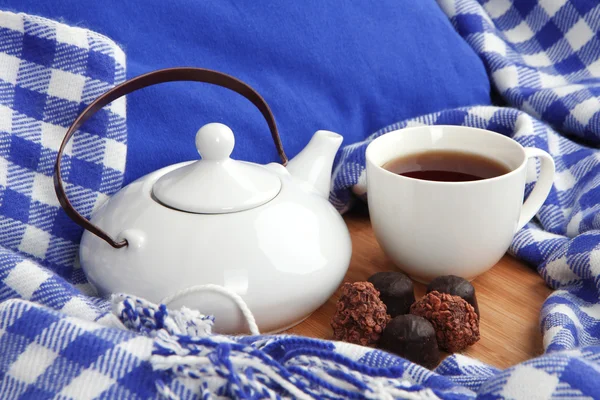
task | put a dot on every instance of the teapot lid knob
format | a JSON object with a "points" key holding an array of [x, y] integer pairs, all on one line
{"points": [[215, 141]]}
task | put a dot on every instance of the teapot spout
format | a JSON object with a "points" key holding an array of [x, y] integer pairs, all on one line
{"points": [[313, 164]]}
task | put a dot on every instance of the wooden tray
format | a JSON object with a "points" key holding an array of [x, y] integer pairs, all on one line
{"points": [[510, 297]]}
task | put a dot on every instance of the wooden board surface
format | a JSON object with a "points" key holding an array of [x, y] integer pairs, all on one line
{"points": [[510, 297]]}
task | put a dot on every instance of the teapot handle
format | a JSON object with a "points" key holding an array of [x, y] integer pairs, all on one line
{"points": [[140, 82]]}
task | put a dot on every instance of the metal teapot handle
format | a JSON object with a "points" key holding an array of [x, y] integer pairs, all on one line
{"points": [[140, 82]]}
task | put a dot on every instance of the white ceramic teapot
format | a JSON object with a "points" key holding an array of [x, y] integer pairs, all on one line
{"points": [[265, 237]]}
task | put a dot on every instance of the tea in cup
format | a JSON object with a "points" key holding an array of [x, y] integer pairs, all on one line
{"points": [[448, 199]]}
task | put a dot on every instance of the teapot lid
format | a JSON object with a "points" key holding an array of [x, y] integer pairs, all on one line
{"points": [[216, 184]]}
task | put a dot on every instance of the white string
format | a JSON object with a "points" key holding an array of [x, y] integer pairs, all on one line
{"points": [[237, 299]]}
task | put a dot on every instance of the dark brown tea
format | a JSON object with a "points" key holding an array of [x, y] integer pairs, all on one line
{"points": [[446, 166]]}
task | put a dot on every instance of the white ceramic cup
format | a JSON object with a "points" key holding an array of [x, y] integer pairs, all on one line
{"points": [[431, 228]]}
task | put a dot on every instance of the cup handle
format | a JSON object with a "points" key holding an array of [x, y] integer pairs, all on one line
{"points": [[542, 187]]}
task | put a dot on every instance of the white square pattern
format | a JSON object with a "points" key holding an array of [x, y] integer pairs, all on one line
{"points": [[12, 21], [87, 385], [43, 190], [32, 363], [585, 110], [498, 8], [594, 68], [506, 78], [70, 35], [52, 137], [494, 43], [35, 241], [485, 113], [540, 59], [558, 270], [66, 85], [579, 35], [573, 226], [6, 114], [520, 33], [551, 81], [119, 56], [140, 347], [595, 264], [564, 180], [9, 68], [118, 106], [525, 125], [552, 6], [114, 154], [25, 278], [519, 385], [78, 308], [3, 171], [562, 91]]}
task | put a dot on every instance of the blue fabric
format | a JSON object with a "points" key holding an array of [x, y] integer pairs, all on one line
{"points": [[59, 341], [320, 65], [48, 73]]}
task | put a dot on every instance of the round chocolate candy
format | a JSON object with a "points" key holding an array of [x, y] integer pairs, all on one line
{"points": [[456, 286], [360, 315], [454, 320], [413, 338], [395, 290]]}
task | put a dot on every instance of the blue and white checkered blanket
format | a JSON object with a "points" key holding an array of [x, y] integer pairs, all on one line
{"points": [[58, 341]]}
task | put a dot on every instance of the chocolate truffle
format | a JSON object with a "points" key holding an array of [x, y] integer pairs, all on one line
{"points": [[360, 315], [456, 286], [413, 338], [454, 320], [395, 290]]}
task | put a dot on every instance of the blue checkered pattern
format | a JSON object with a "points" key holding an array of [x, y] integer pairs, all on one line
{"points": [[48, 73], [58, 341]]}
